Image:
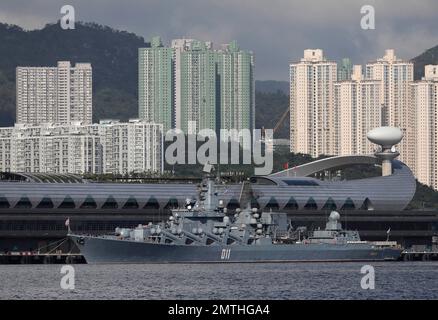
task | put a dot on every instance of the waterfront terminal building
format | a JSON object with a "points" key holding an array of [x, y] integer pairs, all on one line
{"points": [[34, 207]]}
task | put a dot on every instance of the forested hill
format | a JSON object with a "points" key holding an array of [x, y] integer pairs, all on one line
{"points": [[112, 54], [429, 56]]}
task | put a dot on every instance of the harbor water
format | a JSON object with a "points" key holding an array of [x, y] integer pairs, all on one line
{"points": [[393, 280]]}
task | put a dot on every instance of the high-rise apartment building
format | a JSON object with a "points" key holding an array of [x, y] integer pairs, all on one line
{"points": [[178, 46], [312, 113], [51, 148], [345, 69], [424, 99], [395, 76], [196, 86], [334, 117], [131, 147], [358, 109], [59, 94], [108, 147], [237, 94], [155, 97]]}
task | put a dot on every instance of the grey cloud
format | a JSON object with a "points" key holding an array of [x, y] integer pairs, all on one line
{"points": [[277, 31]]}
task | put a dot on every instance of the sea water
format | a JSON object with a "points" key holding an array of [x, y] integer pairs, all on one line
{"points": [[392, 280]]}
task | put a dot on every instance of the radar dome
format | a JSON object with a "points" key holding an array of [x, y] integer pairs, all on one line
{"points": [[334, 216], [385, 136]]}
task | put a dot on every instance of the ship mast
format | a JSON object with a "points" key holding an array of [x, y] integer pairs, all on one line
{"points": [[207, 194]]}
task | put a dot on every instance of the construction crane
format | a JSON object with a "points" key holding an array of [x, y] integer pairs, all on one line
{"points": [[279, 123]]}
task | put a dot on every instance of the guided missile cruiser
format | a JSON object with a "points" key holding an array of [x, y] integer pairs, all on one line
{"points": [[203, 232]]}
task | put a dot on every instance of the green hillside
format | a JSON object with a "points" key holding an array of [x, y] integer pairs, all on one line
{"points": [[112, 54], [430, 56], [269, 109]]}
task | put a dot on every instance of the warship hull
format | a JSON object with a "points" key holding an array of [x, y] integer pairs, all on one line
{"points": [[101, 250]]}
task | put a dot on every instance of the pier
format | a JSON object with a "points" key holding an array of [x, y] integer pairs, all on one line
{"points": [[420, 253], [51, 253], [75, 258], [27, 257]]}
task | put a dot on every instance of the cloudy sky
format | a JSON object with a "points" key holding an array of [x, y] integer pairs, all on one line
{"points": [[277, 31]]}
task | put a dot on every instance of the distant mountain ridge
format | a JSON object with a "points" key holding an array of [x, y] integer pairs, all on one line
{"points": [[430, 56], [272, 86]]}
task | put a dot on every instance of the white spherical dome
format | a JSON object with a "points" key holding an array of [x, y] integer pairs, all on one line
{"points": [[385, 136], [334, 215]]}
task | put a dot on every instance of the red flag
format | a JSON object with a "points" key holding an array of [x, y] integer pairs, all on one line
{"points": [[286, 165]]}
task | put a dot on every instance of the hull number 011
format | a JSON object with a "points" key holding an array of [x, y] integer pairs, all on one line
{"points": [[225, 254]]}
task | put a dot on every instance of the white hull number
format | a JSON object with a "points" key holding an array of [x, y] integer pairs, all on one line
{"points": [[225, 254]]}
